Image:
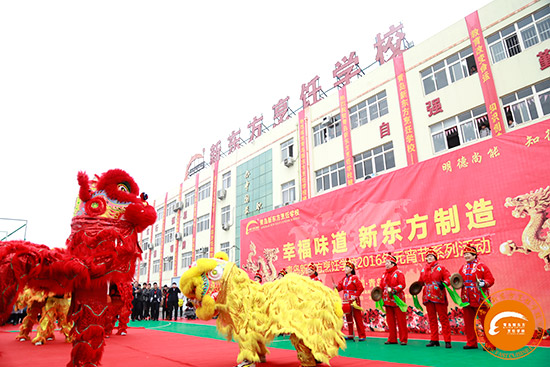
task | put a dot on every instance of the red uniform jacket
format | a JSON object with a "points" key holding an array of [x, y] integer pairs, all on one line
{"points": [[352, 287], [314, 277], [395, 280], [472, 272], [432, 277]]}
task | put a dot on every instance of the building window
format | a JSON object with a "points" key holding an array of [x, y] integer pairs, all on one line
{"points": [[203, 223], [143, 269], [287, 149], [529, 31], [204, 191], [168, 263], [460, 129], [160, 213], [186, 259], [226, 180], [169, 235], [368, 110], [378, 105], [368, 164], [170, 208], [331, 176], [288, 192], [201, 253], [326, 131], [225, 248], [158, 239], [527, 104], [188, 228], [156, 266], [189, 199], [455, 67], [226, 214]]}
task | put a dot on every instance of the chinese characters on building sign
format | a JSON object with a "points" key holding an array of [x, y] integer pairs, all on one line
{"points": [[345, 70], [391, 42], [544, 59], [434, 107]]}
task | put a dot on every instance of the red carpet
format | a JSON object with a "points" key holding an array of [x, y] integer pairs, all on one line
{"points": [[147, 348]]}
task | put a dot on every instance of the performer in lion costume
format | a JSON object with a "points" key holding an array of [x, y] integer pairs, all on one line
{"points": [[253, 314]]}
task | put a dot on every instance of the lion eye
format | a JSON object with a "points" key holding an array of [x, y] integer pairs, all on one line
{"points": [[216, 273], [123, 187]]}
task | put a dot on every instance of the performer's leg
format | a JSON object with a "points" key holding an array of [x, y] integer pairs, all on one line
{"points": [[349, 320], [432, 318], [33, 310], [402, 323], [304, 353], [360, 325], [123, 319], [390, 320], [469, 326], [441, 309]]}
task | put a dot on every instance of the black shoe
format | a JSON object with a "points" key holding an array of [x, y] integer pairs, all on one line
{"points": [[388, 342], [448, 345], [349, 337], [469, 347], [403, 343], [433, 344]]}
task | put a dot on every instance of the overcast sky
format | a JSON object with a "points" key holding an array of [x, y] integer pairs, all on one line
{"points": [[144, 85]]}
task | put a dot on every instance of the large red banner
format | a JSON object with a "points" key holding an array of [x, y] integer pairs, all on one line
{"points": [[494, 195]]}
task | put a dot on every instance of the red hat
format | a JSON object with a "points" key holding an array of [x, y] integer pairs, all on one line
{"points": [[390, 257], [350, 264], [470, 249], [283, 272], [312, 267], [432, 252]]}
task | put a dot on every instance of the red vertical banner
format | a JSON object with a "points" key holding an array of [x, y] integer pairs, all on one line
{"points": [[346, 135], [213, 215], [303, 126], [195, 204], [178, 226], [405, 107], [162, 239], [485, 74]]}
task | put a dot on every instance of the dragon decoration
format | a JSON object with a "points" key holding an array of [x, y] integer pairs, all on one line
{"points": [[264, 266], [101, 250], [253, 314], [535, 236]]}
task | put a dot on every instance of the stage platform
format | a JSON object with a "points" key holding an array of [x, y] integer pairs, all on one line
{"points": [[197, 343]]}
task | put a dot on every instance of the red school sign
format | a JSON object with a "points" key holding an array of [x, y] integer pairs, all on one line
{"points": [[493, 194]]}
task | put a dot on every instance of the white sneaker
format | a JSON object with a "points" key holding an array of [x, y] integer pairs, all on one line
{"points": [[123, 333], [246, 363]]}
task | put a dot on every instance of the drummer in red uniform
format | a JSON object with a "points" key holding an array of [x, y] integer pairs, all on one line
{"points": [[312, 272], [352, 289], [434, 298], [477, 277], [393, 283]]}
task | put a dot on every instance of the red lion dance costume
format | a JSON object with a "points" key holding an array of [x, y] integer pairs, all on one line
{"points": [[102, 249]]}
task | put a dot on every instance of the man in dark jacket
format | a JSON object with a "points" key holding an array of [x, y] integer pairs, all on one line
{"points": [[173, 301], [146, 299], [156, 297], [137, 305]]}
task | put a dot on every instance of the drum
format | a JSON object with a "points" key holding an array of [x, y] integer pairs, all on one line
{"points": [[346, 306]]}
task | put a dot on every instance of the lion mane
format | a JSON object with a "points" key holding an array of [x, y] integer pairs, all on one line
{"points": [[252, 314]]}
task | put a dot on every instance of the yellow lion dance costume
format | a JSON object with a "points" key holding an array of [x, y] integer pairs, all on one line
{"points": [[253, 314]]}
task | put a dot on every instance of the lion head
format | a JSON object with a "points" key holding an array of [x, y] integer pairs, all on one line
{"points": [[202, 284]]}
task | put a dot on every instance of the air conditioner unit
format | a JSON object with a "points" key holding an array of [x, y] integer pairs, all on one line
{"points": [[288, 161], [225, 226], [179, 236], [178, 206], [151, 246], [328, 121], [287, 203], [221, 194]]}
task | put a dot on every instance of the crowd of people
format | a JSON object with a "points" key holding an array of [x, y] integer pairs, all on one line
{"points": [[149, 301]]}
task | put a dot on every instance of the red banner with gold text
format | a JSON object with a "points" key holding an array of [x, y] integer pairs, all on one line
{"points": [[494, 195]]}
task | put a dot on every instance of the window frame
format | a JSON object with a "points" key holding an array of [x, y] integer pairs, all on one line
{"points": [[327, 174], [323, 133], [287, 149], [203, 223], [360, 160], [205, 191], [288, 189], [226, 180]]}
